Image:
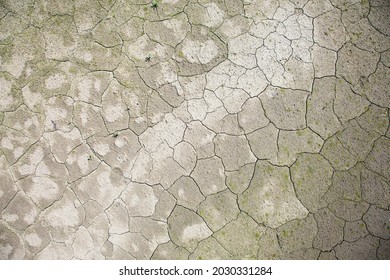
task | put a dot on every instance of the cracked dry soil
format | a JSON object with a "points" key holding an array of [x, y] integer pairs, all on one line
{"points": [[193, 129]]}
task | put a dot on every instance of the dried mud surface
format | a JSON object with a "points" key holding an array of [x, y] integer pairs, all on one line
{"points": [[193, 129]]}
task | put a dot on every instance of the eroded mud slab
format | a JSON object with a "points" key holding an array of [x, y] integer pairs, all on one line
{"points": [[193, 129]]}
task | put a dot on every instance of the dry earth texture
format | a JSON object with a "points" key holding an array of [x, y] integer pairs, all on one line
{"points": [[193, 129]]}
